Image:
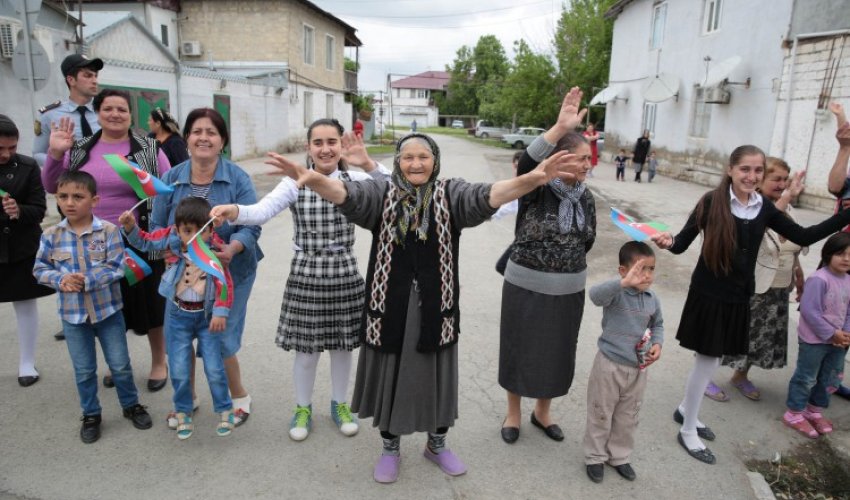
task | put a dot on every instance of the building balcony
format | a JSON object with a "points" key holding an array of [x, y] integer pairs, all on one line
{"points": [[350, 81]]}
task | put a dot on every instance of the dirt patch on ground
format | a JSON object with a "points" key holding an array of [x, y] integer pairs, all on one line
{"points": [[813, 470]]}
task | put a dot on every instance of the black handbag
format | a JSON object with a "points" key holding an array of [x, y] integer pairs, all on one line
{"points": [[502, 263]]}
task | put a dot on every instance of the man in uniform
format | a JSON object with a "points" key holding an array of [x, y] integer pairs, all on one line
{"points": [[80, 74]]}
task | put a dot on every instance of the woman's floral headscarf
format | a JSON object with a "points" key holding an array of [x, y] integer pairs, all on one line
{"points": [[413, 203]]}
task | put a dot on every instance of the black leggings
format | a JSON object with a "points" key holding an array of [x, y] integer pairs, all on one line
{"points": [[387, 435]]}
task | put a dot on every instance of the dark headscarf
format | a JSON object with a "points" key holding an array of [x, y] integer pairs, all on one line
{"points": [[413, 203]]}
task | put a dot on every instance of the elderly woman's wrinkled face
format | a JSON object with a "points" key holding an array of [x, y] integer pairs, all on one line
{"points": [[325, 146], [416, 162]]}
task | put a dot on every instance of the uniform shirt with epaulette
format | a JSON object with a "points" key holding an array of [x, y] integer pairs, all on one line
{"points": [[51, 114]]}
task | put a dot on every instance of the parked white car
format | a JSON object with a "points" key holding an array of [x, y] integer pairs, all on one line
{"points": [[457, 124], [523, 137]]}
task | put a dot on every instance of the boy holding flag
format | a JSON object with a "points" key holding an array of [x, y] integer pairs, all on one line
{"points": [[195, 307]]}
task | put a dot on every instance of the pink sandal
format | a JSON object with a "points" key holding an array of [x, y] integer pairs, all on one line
{"points": [[821, 424], [797, 422]]}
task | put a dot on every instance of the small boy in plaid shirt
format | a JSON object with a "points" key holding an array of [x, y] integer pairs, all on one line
{"points": [[83, 258]]}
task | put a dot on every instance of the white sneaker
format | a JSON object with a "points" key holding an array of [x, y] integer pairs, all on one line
{"points": [[302, 422]]}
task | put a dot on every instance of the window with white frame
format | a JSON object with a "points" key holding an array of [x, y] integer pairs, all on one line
{"points": [[309, 54], [308, 108], [700, 115], [422, 93], [648, 122], [711, 16], [330, 45], [329, 106], [659, 19]]}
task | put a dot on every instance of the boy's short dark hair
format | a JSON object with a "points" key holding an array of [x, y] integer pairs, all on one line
{"points": [[79, 178], [192, 210], [632, 250]]}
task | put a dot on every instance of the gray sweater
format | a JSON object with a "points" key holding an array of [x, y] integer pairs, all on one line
{"points": [[626, 314]]}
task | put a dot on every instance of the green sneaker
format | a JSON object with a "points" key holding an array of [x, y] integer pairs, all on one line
{"points": [[342, 417], [302, 422]]}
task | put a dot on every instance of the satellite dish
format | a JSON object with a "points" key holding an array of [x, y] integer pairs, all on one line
{"points": [[721, 71], [661, 88], [607, 95]]}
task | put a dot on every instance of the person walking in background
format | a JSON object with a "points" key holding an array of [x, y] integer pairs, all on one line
{"points": [[592, 137], [413, 126], [165, 129], [632, 335], [21, 213], [652, 165], [80, 74], [620, 162], [83, 258], [640, 153]]}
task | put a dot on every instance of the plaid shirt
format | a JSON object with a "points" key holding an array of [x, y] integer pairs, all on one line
{"points": [[98, 254]]}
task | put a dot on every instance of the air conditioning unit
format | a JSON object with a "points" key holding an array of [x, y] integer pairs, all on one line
{"points": [[8, 33], [717, 95], [191, 48]]}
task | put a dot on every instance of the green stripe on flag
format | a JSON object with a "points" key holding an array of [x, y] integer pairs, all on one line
{"points": [[125, 171]]}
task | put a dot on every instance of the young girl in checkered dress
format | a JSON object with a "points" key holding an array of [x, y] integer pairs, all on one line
{"points": [[323, 300]]}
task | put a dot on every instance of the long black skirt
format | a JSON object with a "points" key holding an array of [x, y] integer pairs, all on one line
{"points": [[537, 348], [714, 328], [144, 307], [18, 283]]}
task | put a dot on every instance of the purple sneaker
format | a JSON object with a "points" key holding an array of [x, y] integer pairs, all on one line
{"points": [[386, 470], [448, 462]]}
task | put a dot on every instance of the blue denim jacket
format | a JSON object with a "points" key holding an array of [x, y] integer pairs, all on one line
{"points": [[230, 184], [172, 274]]}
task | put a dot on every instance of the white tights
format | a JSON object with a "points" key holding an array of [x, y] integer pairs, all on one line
{"points": [[26, 312], [700, 376], [304, 373]]}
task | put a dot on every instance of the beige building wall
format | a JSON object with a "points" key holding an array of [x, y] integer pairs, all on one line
{"points": [[265, 30]]}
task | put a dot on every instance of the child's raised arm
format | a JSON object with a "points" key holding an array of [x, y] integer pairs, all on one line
{"points": [[149, 242]]}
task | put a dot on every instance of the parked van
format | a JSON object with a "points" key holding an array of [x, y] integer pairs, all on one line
{"points": [[485, 129]]}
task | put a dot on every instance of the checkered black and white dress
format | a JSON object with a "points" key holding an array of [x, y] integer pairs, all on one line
{"points": [[324, 296]]}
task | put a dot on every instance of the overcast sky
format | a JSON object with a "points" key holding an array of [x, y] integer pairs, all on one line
{"points": [[406, 37]]}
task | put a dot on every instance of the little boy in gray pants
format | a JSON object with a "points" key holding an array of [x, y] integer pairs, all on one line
{"points": [[632, 334]]}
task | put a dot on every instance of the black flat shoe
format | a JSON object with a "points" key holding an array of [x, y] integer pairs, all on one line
{"points": [[703, 432], [705, 456], [595, 472], [108, 382], [626, 471], [59, 336], [553, 431], [157, 384], [843, 392], [510, 434], [139, 416], [27, 381], [90, 430]]}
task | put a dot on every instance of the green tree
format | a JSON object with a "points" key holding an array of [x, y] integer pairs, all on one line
{"points": [[583, 46], [530, 95], [475, 73]]}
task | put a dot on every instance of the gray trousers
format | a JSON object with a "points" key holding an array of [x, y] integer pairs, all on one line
{"points": [[614, 396]]}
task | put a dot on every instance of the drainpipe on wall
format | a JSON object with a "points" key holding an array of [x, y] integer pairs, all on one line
{"points": [[797, 38]]}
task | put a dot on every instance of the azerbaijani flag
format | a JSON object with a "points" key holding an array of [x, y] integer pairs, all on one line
{"points": [[135, 269], [201, 255], [3, 193], [144, 184], [638, 231]]}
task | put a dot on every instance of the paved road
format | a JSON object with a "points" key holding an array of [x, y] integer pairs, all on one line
{"points": [[41, 456]]}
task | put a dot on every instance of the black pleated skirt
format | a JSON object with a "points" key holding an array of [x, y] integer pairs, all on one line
{"points": [[144, 307], [18, 283], [714, 328]]}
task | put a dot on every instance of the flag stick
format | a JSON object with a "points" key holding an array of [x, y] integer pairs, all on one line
{"points": [[200, 231], [138, 204]]}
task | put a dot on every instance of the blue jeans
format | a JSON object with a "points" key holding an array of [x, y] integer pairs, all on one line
{"points": [[231, 340], [180, 328], [818, 366], [113, 342]]}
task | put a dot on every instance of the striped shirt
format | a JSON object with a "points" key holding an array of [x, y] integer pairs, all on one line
{"points": [[201, 190], [98, 254]]}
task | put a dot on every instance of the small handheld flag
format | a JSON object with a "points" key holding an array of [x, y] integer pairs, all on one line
{"points": [[3, 193], [638, 231], [201, 255], [144, 184], [135, 268]]}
